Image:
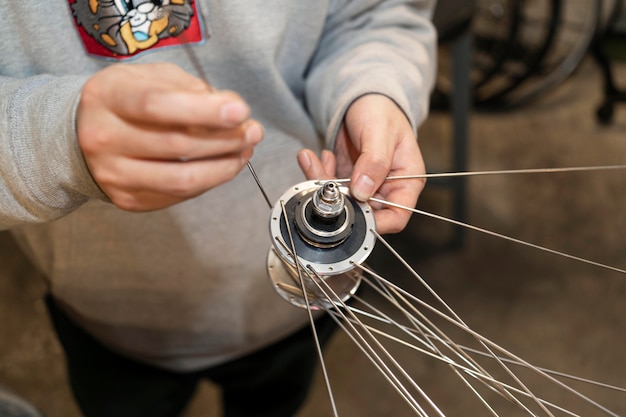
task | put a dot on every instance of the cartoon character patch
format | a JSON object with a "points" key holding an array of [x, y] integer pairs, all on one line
{"points": [[124, 28]]}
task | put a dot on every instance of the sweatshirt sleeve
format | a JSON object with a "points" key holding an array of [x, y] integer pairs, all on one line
{"points": [[43, 175], [372, 47]]}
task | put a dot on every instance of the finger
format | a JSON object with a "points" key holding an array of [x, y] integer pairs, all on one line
{"points": [[405, 193], [312, 166], [135, 92], [142, 201], [407, 161], [329, 162], [150, 142], [345, 153], [222, 109], [168, 74], [128, 184], [391, 220], [370, 169]]}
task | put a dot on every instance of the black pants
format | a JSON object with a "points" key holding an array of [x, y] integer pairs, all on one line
{"points": [[272, 382]]}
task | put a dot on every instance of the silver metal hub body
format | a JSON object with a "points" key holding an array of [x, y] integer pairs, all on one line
{"points": [[331, 232]]}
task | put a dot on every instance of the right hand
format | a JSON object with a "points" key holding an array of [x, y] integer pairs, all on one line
{"points": [[153, 135]]}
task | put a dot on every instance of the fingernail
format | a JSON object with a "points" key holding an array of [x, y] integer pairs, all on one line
{"points": [[246, 156], [234, 112], [254, 133], [304, 159], [363, 188]]}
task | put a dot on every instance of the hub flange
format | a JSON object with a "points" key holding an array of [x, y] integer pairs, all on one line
{"points": [[331, 233]]}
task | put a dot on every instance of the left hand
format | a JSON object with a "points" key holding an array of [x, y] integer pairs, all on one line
{"points": [[375, 141]]}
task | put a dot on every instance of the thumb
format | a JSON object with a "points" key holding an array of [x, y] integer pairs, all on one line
{"points": [[370, 171]]}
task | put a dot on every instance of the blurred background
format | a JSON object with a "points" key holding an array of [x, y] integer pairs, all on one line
{"points": [[522, 84]]}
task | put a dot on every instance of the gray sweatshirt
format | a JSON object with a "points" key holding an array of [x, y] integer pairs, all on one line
{"points": [[186, 287]]}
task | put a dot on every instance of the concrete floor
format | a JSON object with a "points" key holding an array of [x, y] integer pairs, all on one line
{"points": [[552, 311]]}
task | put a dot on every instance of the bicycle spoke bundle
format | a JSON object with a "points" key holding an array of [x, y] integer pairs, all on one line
{"points": [[321, 238]]}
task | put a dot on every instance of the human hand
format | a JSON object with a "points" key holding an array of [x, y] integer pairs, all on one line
{"points": [[153, 135], [374, 141]]}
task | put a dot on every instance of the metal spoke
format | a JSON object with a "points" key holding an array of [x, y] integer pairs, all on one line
{"points": [[498, 172], [459, 323], [499, 235], [318, 346], [427, 337], [411, 333], [258, 183], [321, 284], [440, 300], [433, 351], [480, 376], [359, 339], [494, 345]]}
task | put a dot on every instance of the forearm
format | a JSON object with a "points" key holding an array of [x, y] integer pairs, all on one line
{"points": [[373, 47], [42, 172]]}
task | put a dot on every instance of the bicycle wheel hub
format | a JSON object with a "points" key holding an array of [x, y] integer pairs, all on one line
{"points": [[331, 233]]}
